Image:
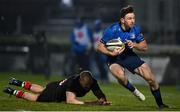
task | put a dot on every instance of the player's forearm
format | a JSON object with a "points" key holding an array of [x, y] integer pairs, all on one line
{"points": [[91, 102], [101, 48], [74, 102], [86, 103], [142, 46]]}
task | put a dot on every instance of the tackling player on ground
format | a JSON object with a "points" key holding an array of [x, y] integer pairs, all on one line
{"points": [[64, 90], [119, 59]]}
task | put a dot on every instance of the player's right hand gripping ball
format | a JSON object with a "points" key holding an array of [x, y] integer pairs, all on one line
{"points": [[115, 44]]}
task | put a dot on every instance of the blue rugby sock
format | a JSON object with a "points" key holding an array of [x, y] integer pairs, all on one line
{"points": [[157, 96], [130, 87]]}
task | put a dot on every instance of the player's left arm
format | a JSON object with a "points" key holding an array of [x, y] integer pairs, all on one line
{"points": [[141, 46], [139, 42], [71, 99], [99, 94]]}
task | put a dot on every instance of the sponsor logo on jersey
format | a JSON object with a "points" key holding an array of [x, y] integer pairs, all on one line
{"points": [[132, 36]]}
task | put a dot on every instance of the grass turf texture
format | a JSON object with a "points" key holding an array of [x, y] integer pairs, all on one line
{"points": [[121, 98]]}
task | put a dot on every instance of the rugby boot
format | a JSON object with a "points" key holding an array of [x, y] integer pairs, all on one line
{"points": [[8, 90], [139, 95], [15, 82], [163, 106]]}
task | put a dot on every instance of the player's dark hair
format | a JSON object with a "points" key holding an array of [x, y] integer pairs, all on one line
{"points": [[126, 10], [87, 75]]}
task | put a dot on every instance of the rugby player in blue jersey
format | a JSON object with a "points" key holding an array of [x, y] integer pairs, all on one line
{"points": [[120, 59]]}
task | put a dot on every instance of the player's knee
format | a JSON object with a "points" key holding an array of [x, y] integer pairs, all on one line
{"points": [[120, 72], [151, 82], [122, 79], [145, 67], [120, 75]]}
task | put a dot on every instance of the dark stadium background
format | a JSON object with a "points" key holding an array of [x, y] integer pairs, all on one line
{"points": [[34, 34]]}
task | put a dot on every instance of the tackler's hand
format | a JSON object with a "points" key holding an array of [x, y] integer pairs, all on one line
{"points": [[104, 102]]}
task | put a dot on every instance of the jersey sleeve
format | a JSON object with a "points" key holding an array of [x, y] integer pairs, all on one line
{"points": [[139, 35], [106, 36], [97, 91], [70, 86]]}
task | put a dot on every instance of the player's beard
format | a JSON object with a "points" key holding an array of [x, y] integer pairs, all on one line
{"points": [[131, 25]]}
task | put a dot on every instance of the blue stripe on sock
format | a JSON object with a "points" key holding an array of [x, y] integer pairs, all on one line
{"points": [[130, 87]]}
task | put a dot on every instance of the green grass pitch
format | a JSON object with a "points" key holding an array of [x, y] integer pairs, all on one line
{"points": [[121, 98]]}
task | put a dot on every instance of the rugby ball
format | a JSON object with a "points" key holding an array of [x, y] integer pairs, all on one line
{"points": [[114, 43]]}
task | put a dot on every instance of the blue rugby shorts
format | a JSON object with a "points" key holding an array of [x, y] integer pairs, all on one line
{"points": [[128, 59]]}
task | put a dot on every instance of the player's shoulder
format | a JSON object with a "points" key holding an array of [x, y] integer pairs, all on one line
{"points": [[73, 77], [72, 81], [113, 27]]}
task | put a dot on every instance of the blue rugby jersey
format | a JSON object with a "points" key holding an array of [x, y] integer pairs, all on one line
{"points": [[128, 58], [115, 31]]}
